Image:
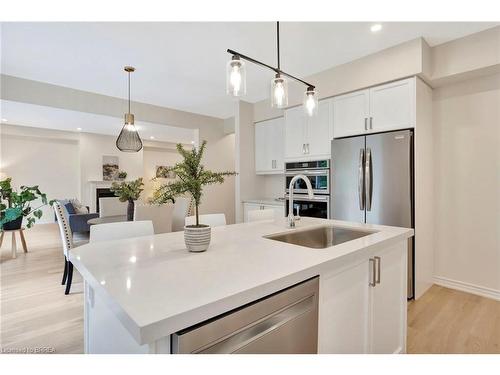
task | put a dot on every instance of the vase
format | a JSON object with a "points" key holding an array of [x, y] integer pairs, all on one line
{"points": [[14, 224], [130, 210], [197, 238]]}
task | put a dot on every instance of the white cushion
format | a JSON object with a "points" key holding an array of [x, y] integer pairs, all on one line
{"points": [[112, 207], [117, 231], [160, 215]]}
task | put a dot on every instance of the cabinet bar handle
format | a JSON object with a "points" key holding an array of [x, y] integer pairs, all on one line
{"points": [[378, 261], [371, 122], [366, 123], [372, 283], [303, 148]]}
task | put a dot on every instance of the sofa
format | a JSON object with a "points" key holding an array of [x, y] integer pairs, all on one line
{"points": [[77, 221]]}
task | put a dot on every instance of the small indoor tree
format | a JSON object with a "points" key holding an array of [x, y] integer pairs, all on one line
{"points": [[191, 178]]}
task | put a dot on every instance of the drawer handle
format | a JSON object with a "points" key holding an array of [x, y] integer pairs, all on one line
{"points": [[377, 261], [373, 281], [262, 327]]}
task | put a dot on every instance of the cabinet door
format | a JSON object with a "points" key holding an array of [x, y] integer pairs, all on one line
{"points": [[262, 151], [249, 207], [276, 142], [392, 106], [279, 211], [350, 113], [294, 133], [344, 311], [319, 133], [389, 303]]}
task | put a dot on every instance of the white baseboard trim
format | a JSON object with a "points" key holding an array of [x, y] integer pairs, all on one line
{"points": [[467, 287]]}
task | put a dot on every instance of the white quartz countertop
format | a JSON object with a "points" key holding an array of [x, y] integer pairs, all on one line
{"points": [[156, 287], [269, 201]]}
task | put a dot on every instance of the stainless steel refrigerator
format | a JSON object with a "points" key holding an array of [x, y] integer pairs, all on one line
{"points": [[372, 182]]}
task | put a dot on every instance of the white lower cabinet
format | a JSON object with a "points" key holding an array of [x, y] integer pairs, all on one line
{"points": [[279, 210], [362, 307]]}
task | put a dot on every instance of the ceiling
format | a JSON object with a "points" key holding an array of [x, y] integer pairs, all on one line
{"points": [[182, 65], [38, 116]]}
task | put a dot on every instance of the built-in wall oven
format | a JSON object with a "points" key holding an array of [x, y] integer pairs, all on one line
{"points": [[318, 173]]}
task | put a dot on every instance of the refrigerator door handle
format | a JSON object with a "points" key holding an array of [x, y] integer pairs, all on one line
{"points": [[368, 179], [361, 181]]}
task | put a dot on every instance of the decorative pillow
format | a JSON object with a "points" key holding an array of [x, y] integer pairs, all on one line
{"points": [[79, 208], [70, 208]]}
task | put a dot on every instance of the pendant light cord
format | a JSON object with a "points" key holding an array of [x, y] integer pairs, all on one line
{"points": [[278, 43], [128, 92]]}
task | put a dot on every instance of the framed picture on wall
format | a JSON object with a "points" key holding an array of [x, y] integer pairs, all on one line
{"points": [[110, 168], [163, 171]]}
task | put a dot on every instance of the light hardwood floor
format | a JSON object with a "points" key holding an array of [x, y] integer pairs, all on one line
{"points": [[34, 312]]}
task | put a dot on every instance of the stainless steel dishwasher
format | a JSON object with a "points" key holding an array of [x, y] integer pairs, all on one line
{"points": [[284, 322]]}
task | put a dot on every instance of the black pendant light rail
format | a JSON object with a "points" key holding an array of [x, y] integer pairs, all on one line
{"points": [[277, 70]]}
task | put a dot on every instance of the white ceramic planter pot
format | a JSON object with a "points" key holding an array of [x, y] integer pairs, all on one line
{"points": [[197, 239]]}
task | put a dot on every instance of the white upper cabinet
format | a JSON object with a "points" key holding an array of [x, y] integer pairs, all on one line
{"points": [[269, 146], [381, 108], [308, 138], [320, 131], [392, 106], [350, 113], [295, 133]]}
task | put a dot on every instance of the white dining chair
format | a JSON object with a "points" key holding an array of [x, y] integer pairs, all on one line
{"points": [[67, 242], [181, 210], [160, 215], [259, 215], [214, 220], [117, 231], [111, 206]]}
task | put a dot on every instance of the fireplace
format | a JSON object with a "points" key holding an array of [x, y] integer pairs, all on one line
{"points": [[102, 193]]}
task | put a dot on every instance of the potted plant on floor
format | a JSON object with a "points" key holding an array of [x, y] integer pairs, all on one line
{"points": [[191, 178], [16, 205], [128, 192]]}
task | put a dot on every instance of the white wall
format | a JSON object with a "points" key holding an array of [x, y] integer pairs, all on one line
{"points": [[466, 121], [46, 158], [248, 184]]}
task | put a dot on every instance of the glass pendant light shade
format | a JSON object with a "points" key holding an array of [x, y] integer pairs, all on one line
{"points": [[279, 92], [236, 81], [129, 140], [310, 103]]}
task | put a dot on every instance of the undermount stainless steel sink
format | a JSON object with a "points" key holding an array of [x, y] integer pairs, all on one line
{"points": [[319, 237]]}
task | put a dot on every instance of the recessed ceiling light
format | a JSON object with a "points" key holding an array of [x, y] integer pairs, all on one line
{"points": [[376, 27], [151, 137], [192, 142], [79, 129], [4, 120]]}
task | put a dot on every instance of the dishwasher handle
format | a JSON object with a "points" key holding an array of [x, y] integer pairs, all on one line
{"points": [[261, 327]]}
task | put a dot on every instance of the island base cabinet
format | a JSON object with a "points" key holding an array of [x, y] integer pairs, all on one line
{"points": [[343, 311], [104, 333], [389, 301], [362, 307]]}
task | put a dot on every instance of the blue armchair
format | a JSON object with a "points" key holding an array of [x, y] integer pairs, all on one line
{"points": [[77, 222]]}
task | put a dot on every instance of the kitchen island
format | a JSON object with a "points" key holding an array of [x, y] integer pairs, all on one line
{"points": [[140, 291]]}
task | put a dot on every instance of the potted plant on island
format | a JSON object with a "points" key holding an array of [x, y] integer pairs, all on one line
{"points": [[16, 205], [128, 192], [191, 178]]}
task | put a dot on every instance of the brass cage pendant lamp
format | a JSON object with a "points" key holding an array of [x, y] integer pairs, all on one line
{"points": [[129, 140]]}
